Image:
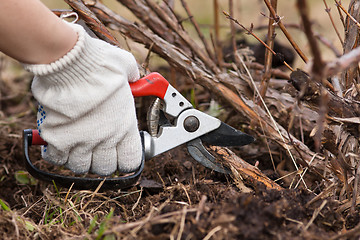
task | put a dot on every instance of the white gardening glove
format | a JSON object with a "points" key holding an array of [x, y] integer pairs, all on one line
{"points": [[87, 112]]}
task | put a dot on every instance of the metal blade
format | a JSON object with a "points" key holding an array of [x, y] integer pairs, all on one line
{"points": [[227, 136], [200, 154]]}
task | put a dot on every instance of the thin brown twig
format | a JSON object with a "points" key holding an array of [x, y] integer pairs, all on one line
{"points": [[218, 49], [322, 195], [147, 58], [170, 10], [318, 64], [268, 56], [182, 223], [347, 13], [284, 30], [340, 15], [212, 232], [232, 28], [201, 207], [327, 10], [315, 214]]}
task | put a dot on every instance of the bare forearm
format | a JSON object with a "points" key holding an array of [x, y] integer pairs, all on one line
{"points": [[31, 33]]}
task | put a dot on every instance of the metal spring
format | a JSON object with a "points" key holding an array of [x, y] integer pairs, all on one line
{"points": [[153, 117]]}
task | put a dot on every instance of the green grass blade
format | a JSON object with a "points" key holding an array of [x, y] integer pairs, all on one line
{"points": [[4, 206]]}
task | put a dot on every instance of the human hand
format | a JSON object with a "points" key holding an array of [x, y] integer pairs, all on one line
{"points": [[87, 113]]}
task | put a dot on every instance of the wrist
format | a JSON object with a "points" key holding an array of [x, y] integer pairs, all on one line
{"points": [[63, 39]]}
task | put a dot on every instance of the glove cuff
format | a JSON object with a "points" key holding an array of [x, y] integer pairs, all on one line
{"points": [[86, 56]]}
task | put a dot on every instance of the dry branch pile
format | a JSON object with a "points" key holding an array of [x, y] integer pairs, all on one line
{"points": [[314, 122]]}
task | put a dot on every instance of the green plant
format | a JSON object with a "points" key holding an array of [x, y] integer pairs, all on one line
{"points": [[4, 206], [103, 225]]}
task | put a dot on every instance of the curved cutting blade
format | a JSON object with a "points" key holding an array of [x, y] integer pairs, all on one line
{"points": [[200, 154], [227, 136]]}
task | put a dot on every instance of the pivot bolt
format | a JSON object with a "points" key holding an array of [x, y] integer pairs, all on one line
{"points": [[191, 124]]}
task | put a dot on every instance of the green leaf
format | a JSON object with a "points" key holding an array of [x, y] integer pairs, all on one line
{"points": [[92, 224], [103, 224], [110, 237], [23, 177], [193, 97], [214, 109], [29, 226], [4, 206]]}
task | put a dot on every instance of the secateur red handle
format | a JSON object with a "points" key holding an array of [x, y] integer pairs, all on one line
{"points": [[151, 85], [36, 139]]}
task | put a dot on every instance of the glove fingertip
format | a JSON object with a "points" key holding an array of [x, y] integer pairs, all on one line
{"points": [[79, 160], [104, 161], [52, 155], [129, 157]]}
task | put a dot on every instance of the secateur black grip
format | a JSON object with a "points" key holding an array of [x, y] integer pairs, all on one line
{"points": [[80, 182]]}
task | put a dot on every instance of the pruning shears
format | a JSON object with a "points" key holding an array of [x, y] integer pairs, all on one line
{"points": [[186, 126]]}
